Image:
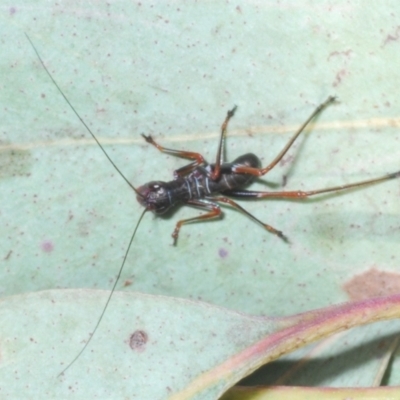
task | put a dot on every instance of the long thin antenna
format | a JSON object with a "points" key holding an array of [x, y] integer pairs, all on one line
{"points": [[126, 180], [109, 298], [80, 118]]}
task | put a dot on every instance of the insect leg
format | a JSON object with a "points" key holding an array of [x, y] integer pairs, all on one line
{"points": [[197, 157], [220, 152], [214, 211], [299, 194], [263, 171], [233, 204]]}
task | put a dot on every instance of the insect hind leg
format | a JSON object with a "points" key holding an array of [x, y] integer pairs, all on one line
{"points": [[271, 165], [300, 194]]}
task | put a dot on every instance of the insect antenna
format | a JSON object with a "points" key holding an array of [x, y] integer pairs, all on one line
{"points": [[108, 299], [126, 180], [80, 118]]}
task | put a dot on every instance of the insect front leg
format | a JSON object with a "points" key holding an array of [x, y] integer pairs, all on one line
{"points": [[197, 157], [187, 169], [214, 212], [263, 171]]}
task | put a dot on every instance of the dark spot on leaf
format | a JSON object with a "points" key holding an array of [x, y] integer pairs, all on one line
{"points": [[372, 283], [222, 252], [15, 161], [392, 36], [138, 340], [47, 246]]}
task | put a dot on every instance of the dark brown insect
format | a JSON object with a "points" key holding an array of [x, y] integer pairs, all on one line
{"points": [[205, 185]]}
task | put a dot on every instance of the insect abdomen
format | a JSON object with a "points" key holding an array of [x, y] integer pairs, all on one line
{"points": [[230, 180]]}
